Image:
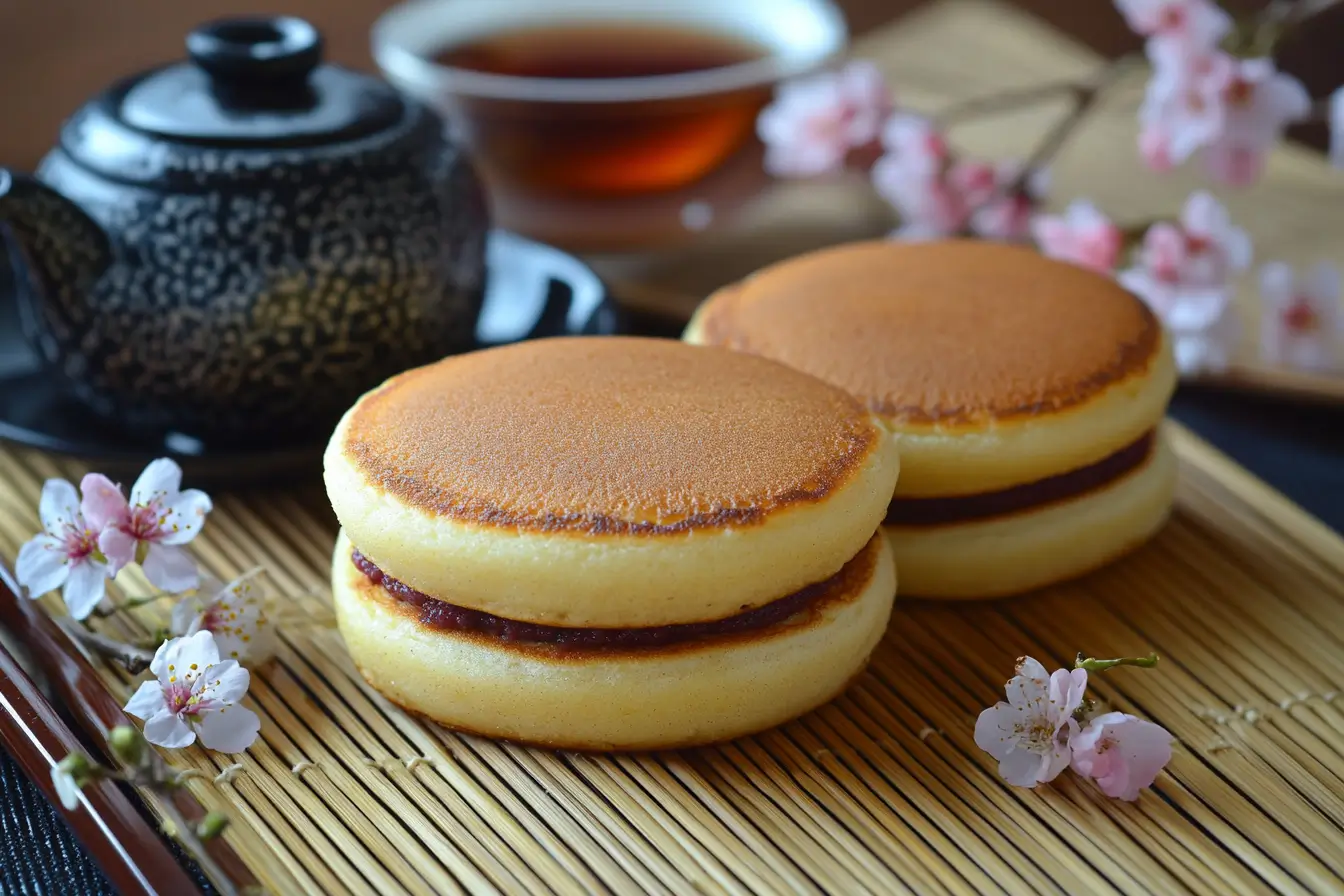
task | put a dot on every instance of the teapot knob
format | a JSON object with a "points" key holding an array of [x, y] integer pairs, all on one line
{"points": [[255, 51]]}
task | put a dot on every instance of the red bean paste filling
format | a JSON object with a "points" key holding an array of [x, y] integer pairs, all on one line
{"points": [[964, 508], [439, 614]]}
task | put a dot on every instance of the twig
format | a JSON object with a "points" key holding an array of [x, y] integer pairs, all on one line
{"points": [[1003, 102], [1028, 96], [134, 659], [1084, 99], [187, 836]]}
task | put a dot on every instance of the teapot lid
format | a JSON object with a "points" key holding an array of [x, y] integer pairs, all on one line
{"points": [[257, 82]]}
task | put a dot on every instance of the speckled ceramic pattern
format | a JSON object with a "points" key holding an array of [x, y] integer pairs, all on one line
{"points": [[250, 292]]}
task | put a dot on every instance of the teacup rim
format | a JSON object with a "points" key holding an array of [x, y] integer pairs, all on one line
{"points": [[401, 63]]}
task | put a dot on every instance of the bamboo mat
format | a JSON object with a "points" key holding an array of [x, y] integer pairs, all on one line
{"points": [[953, 50], [882, 792]]}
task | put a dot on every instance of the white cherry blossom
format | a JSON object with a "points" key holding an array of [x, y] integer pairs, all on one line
{"points": [[1030, 733], [1301, 316], [66, 554], [1082, 235], [195, 694], [816, 121], [234, 613]]}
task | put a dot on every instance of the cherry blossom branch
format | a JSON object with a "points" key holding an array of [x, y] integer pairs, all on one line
{"points": [[1085, 97], [1030, 96], [144, 768], [133, 659]]}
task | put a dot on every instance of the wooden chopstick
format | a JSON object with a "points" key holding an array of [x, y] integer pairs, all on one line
{"points": [[135, 858]]}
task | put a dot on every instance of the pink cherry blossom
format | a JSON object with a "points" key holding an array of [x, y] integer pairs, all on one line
{"points": [[1301, 316], [1008, 216], [1082, 235], [1184, 105], [815, 122], [1258, 103], [1195, 259], [1121, 752], [152, 527], [1030, 733], [66, 554], [1198, 23], [1184, 273], [195, 695]]}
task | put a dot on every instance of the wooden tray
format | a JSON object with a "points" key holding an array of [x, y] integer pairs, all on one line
{"points": [[883, 791], [954, 50]]}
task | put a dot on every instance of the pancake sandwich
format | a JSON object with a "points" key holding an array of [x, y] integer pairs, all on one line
{"points": [[610, 543], [1025, 394]]}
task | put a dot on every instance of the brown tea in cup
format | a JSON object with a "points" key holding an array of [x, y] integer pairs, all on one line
{"points": [[602, 98], [614, 148]]}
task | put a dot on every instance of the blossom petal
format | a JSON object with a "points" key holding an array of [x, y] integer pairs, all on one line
{"points": [[160, 479], [1023, 768], [85, 587], [66, 788], [994, 730], [103, 504], [1277, 283], [1122, 752], [59, 505], [180, 653], [1030, 685], [42, 565], [147, 701], [118, 548], [184, 515], [1337, 128], [229, 682], [167, 730], [170, 568], [187, 617], [1066, 691], [1322, 284], [230, 730]]}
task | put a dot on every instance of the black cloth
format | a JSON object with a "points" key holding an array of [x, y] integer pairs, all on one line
{"points": [[1297, 448]]}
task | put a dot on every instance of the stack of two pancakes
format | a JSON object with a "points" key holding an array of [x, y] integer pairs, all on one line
{"points": [[611, 543]]}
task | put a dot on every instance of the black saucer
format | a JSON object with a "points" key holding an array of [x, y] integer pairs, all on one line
{"points": [[533, 291]]}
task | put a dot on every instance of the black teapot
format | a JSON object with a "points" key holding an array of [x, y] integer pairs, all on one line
{"points": [[238, 245]]}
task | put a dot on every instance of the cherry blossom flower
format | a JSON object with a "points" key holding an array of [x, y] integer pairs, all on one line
{"points": [[1193, 260], [66, 554], [1121, 752], [1184, 104], [234, 613], [1301, 316], [1196, 23], [1008, 216], [1336, 115], [937, 195], [1030, 733], [1231, 110], [1258, 103], [152, 527], [1082, 235], [195, 694], [1205, 331], [815, 122]]}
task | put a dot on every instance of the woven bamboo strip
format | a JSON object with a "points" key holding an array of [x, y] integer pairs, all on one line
{"points": [[883, 791]]}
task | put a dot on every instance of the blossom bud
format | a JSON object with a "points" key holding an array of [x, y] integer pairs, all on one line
{"points": [[127, 744], [78, 767], [212, 825]]}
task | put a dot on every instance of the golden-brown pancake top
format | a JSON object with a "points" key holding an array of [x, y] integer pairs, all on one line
{"points": [[959, 331], [608, 435]]}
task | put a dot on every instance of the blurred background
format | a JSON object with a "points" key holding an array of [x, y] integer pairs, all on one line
{"points": [[54, 54]]}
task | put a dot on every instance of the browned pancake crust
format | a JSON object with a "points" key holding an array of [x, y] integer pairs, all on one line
{"points": [[844, 587], [608, 436], [962, 331]]}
